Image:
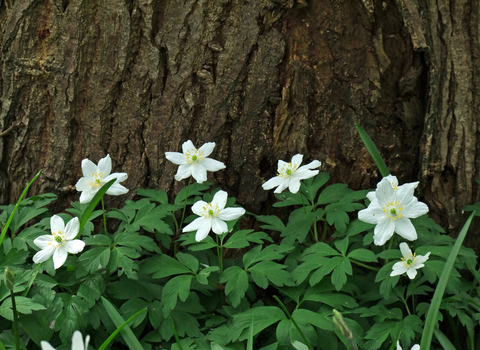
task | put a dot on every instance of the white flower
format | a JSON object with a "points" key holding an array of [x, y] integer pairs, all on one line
{"points": [[94, 177], [415, 347], [410, 262], [194, 162], [289, 174], [59, 243], [212, 216], [391, 209], [77, 342]]}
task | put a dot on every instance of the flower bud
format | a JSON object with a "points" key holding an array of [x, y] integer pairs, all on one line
{"points": [[9, 278]]}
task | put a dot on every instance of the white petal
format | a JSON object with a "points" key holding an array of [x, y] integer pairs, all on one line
{"points": [[219, 226], [187, 146], [75, 246], [220, 199], [116, 190], [176, 157], [207, 148], [44, 241], [393, 180], [202, 232], [105, 165], [405, 249], [414, 209], [46, 346], [119, 176], [83, 184], [371, 196], [273, 182], [312, 165], [405, 192], [372, 214], [385, 192], [294, 185], [303, 174], [43, 255], [184, 171], [57, 224], [88, 168], [398, 346], [72, 228], [297, 160], [398, 269], [59, 257], [212, 164], [383, 231], [231, 213], [87, 196], [415, 347], [197, 224], [199, 173], [283, 185], [77, 341], [421, 259], [405, 228], [411, 273], [281, 164], [197, 208]]}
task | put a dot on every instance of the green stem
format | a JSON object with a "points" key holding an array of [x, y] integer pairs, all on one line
{"points": [[364, 265], [185, 205], [315, 233], [389, 247], [15, 321], [114, 334], [303, 203], [5, 228], [220, 253], [32, 279], [307, 343], [175, 334], [406, 306], [324, 235], [104, 218]]}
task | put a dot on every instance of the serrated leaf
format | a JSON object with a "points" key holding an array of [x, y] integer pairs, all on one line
{"points": [[135, 241], [95, 258], [269, 271], [178, 286], [333, 193], [272, 252], [262, 316], [24, 306], [162, 266], [311, 187], [242, 239], [273, 221], [158, 196], [363, 255], [194, 189]]}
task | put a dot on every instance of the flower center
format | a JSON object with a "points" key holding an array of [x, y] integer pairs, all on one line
{"points": [[409, 259], [97, 180], [287, 170], [194, 156], [58, 239], [393, 210], [210, 211]]}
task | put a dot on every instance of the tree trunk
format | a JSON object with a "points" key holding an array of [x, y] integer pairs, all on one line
{"points": [[264, 79]]}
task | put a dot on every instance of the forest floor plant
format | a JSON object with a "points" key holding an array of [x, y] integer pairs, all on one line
{"points": [[350, 270]]}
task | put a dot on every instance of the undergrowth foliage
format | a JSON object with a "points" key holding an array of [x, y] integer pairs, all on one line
{"points": [[148, 285]]}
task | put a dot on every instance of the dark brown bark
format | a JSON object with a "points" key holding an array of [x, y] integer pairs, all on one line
{"points": [[264, 79]]}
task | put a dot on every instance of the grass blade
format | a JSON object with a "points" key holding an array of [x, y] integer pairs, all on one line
{"points": [[443, 340], [5, 229], [122, 326], [372, 149], [430, 322]]}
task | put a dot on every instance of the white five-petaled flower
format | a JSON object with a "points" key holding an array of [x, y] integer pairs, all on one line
{"points": [[94, 177], [77, 342], [59, 243], [410, 262], [290, 174], [415, 347], [212, 216], [391, 209], [194, 162]]}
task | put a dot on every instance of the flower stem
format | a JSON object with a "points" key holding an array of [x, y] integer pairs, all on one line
{"points": [[15, 321], [364, 265], [220, 254], [104, 218], [307, 343], [185, 205], [324, 235]]}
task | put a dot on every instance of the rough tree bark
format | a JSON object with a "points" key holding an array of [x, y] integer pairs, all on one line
{"points": [[264, 79]]}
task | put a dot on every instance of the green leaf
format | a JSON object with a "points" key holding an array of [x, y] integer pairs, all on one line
{"points": [[309, 317], [24, 306], [188, 238], [163, 266], [158, 196], [189, 261], [135, 241], [370, 146], [333, 193], [237, 284], [202, 276], [431, 319], [274, 223], [339, 275], [299, 224], [269, 271], [363, 255], [262, 316], [288, 199], [73, 316], [95, 258], [120, 323], [178, 286], [242, 239], [310, 188], [193, 189], [91, 289], [272, 252]]}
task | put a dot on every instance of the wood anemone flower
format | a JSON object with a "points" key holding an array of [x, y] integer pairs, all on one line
{"points": [[410, 262], [194, 162], [391, 209], [61, 242], [290, 174], [94, 177], [77, 342]]}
